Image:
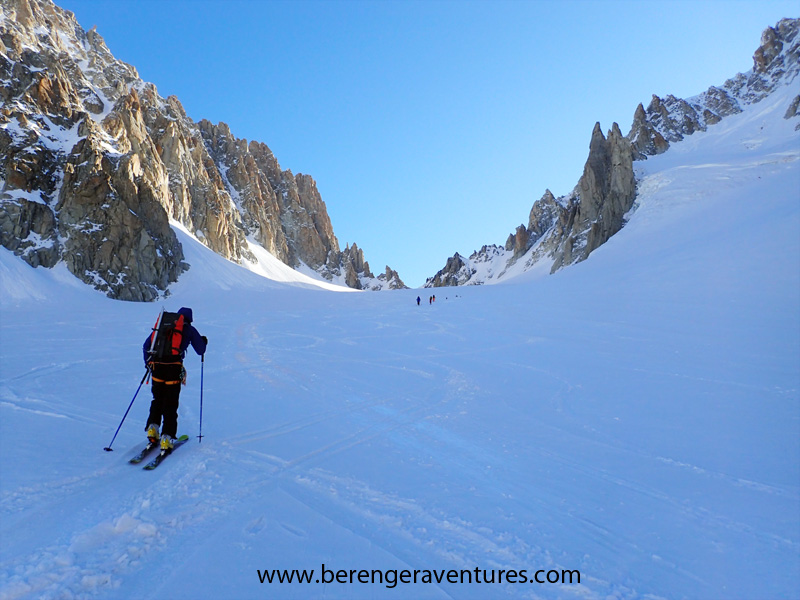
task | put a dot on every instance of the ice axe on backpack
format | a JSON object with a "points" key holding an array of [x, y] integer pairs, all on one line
{"points": [[146, 373]]}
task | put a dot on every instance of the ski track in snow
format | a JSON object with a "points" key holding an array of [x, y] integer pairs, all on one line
{"points": [[103, 547], [110, 540]]}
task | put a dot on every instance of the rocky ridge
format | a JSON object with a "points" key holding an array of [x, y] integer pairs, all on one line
{"points": [[565, 230], [94, 164]]}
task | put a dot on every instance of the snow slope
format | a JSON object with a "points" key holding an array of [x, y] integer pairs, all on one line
{"points": [[634, 417]]}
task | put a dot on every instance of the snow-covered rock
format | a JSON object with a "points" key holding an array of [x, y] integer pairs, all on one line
{"points": [[633, 419], [565, 230], [94, 164]]}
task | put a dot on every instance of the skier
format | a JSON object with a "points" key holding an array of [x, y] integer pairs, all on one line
{"points": [[417, 300], [168, 374]]}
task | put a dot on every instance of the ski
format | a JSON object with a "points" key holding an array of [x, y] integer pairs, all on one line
{"points": [[140, 457], [162, 455]]}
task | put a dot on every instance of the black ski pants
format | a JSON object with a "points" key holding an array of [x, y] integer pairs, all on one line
{"points": [[165, 405]]}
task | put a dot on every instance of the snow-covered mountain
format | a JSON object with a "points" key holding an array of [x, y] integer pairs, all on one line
{"points": [[94, 165], [630, 424], [627, 428], [565, 230]]}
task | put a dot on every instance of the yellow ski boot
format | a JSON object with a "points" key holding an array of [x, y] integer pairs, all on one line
{"points": [[166, 444], [152, 433]]}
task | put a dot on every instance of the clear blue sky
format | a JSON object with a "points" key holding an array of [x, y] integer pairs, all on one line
{"points": [[430, 127]]}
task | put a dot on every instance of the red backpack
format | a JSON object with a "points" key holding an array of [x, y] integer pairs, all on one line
{"points": [[165, 341]]}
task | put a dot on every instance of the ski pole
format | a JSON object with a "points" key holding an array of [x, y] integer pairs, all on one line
{"points": [[108, 448], [202, 362]]}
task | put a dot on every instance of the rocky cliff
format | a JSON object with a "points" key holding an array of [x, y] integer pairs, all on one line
{"points": [[562, 230], [565, 230], [775, 63], [94, 164]]}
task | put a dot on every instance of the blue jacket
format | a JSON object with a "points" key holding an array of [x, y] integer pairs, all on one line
{"points": [[190, 336]]}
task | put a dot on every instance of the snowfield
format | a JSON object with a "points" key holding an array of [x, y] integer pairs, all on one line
{"points": [[635, 417]]}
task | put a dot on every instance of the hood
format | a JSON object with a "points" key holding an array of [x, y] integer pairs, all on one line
{"points": [[187, 314]]}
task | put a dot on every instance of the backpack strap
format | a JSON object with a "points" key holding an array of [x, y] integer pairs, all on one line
{"points": [[157, 380], [168, 370]]}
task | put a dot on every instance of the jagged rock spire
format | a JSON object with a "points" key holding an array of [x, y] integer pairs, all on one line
{"points": [[566, 230]]}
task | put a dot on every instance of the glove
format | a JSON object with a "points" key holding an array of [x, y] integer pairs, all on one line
{"points": [[205, 340]]}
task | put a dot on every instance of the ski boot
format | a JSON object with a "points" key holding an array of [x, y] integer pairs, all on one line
{"points": [[166, 444], [152, 433]]}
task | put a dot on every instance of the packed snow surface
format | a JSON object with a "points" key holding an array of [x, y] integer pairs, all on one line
{"points": [[634, 417]]}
